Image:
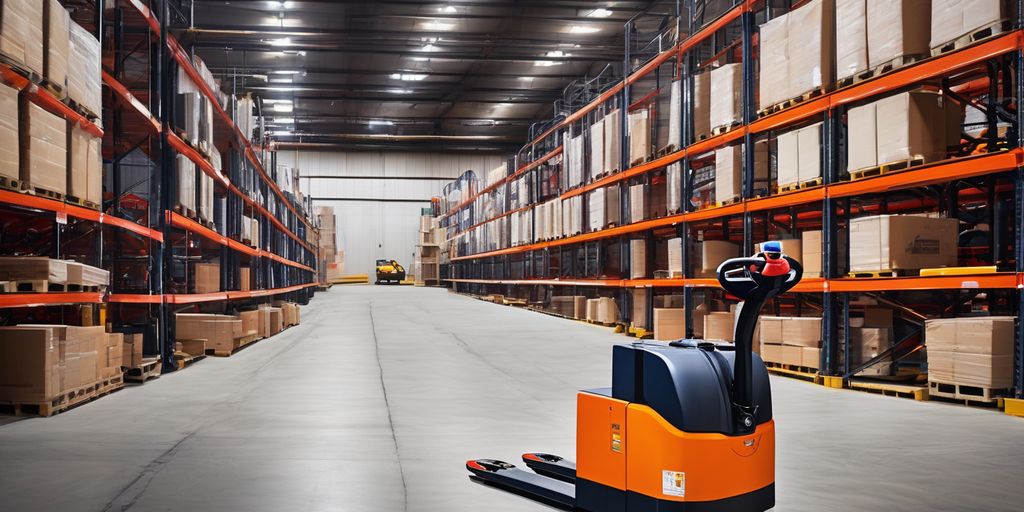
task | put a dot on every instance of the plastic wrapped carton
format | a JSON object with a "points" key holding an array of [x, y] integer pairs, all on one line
{"points": [[810, 45], [597, 147], [21, 33], [43, 148], [773, 86], [9, 147], [895, 29], [726, 104], [701, 105], [851, 37], [56, 33], [895, 242]]}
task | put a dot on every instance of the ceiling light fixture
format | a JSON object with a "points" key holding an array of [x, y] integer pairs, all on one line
{"points": [[583, 29], [438, 25], [284, 41], [285, 72], [448, 9], [274, 102], [381, 122], [430, 47], [284, 120], [281, 4], [599, 13], [400, 91], [284, 108], [408, 77]]}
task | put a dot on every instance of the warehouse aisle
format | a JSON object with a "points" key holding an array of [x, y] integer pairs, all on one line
{"points": [[376, 401]]}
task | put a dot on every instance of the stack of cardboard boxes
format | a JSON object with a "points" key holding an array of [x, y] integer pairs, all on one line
{"points": [[572, 306], [972, 351], [52, 271], [207, 277], [907, 126], [870, 336], [796, 53], [602, 310], [793, 341], [333, 259], [900, 242], [38, 363]]}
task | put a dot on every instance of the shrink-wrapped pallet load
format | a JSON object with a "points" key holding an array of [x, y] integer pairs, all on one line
{"points": [[675, 116], [21, 33], [773, 37], [799, 155], [85, 81], [851, 38], [185, 185], [810, 47], [904, 127], [10, 154], [952, 19], [726, 105], [973, 351], [639, 136], [895, 30], [902, 242], [612, 141], [56, 44], [701, 105], [44, 147], [597, 148], [84, 165]]}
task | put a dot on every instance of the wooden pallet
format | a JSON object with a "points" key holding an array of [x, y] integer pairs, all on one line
{"points": [[85, 288], [81, 109], [886, 168], [718, 130], [44, 192], [727, 202], [58, 90], [967, 394], [874, 274], [867, 74], [665, 151], [149, 369], [11, 184], [985, 32], [783, 105], [919, 393], [799, 186], [238, 344], [35, 286], [84, 203], [188, 360], [522, 303], [801, 372], [67, 400]]}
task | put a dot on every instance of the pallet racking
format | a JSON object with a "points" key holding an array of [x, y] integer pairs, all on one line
{"points": [[136, 234], [987, 187]]}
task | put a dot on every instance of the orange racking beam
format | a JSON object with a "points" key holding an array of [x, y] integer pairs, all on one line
{"points": [[29, 300], [122, 92], [78, 212]]}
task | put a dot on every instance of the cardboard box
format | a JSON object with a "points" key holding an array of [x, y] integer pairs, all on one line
{"points": [[112, 354], [592, 307], [977, 335], [799, 155], [193, 347], [793, 355], [719, 325], [607, 310], [771, 353], [669, 324], [276, 320], [878, 317], [596, 209], [726, 103], [597, 147], [851, 38], [788, 159], [207, 277], [33, 268], [892, 242], [245, 279], [87, 275], [895, 29], [9, 147], [638, 259], [44, 145], [810, 253], [915, 124], [219, 331], [185, 186], [29, 364], [579, 307], [263, 320], [84, 165], [250, 322], [131, 352], [21, 33], [612, 206], [290, 312], [636, 203], [771, 330], [867, 343], [713, 253], [639, 316], [675, 257], [801, 332], [56, 33], [811, 357]]}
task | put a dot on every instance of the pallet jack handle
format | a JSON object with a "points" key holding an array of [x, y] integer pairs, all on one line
{"points": [[754, 280]]}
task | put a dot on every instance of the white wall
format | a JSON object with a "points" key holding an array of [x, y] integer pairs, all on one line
{"points": [[370, 230]]}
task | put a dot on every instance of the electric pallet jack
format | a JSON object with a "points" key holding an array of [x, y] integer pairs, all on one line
{"points": [[686, 426]]}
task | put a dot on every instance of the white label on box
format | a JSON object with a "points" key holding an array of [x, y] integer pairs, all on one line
{"points": [[673, 483]]}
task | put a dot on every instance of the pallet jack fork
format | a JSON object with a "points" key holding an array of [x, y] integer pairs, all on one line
{"points": [[685, 427]]}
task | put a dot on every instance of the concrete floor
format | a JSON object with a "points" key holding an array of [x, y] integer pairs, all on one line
{"points": [[375, 402]]}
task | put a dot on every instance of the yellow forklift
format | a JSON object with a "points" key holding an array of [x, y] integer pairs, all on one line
{"points": [[389, 271]]}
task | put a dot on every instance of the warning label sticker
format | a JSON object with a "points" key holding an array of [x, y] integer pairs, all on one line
{"points": [[673, 483]]}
